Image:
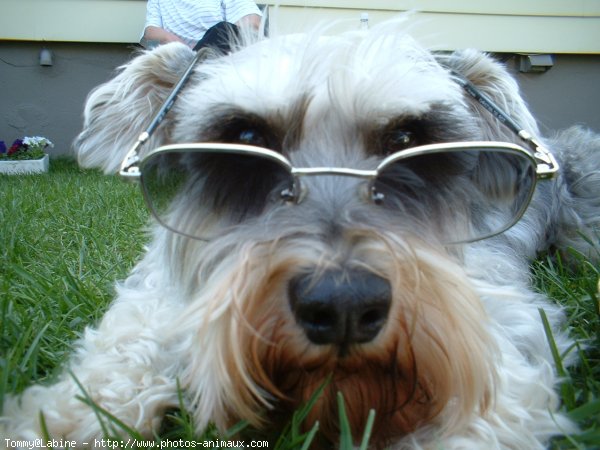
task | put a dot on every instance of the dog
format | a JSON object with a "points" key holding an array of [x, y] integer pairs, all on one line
{"points": [[351, 212]]}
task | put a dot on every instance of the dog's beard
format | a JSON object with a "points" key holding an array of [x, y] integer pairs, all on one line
{"points": [[433, 357]]}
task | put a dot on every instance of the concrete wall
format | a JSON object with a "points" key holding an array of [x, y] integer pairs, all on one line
{"points": [[569, 93], [48, 101]]}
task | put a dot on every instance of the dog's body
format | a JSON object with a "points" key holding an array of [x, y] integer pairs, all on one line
{"points": [[462, 359]]}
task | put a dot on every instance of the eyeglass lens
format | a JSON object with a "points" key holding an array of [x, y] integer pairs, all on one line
{"points": [[187, 191], [463, 194]]}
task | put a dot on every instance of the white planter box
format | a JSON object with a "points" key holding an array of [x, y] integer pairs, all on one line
{"points": [[26, 166]]}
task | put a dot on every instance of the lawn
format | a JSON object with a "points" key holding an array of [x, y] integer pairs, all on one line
{"points": [[65, 237]]}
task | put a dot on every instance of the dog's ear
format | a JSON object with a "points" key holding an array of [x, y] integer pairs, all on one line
{"points": [[493, 79], [117, 111]]}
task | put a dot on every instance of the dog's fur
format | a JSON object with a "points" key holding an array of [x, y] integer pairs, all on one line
{"points": [[462, 360]]}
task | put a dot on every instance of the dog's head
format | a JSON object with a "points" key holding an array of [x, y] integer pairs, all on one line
{"points": [[323, 255]]}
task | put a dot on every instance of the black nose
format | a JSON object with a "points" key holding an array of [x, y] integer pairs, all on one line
{"points": [[340, 307]]}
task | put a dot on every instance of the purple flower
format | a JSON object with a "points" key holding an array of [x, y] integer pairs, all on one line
{"points": [[2, 147], [17, 143]]}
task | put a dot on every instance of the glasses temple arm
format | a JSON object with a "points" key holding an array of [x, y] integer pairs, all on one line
{"points": [[129, 166], [548, 166], [487, 103]]}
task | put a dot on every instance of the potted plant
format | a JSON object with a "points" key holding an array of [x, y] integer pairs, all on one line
{"points": [[27, 155]]}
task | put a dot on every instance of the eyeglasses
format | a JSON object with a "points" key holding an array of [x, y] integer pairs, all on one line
{"points": [[467, 191]]}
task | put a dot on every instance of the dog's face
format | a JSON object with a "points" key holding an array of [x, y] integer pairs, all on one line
{"points": [[284, 295]]}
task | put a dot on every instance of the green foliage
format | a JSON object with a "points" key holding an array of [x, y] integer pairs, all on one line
{"points": [[22, 155]]}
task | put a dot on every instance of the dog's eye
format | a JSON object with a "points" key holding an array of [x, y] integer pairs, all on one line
{"points": [[398, 140], [235, 126], [252, 136]]}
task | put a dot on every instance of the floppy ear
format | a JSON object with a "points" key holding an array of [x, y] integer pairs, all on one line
{"points": [[117, 111], [493, 79]]}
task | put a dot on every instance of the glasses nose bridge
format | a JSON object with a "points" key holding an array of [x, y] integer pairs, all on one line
{"points": [[364, 177], [305, 172]]}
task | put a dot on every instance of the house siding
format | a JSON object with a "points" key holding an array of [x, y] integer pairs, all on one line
{"points": [[91, 38]]}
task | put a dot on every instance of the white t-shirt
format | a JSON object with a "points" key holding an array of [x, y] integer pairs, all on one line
{"points": [[189, 19]]}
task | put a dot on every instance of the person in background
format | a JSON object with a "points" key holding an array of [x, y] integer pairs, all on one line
{"points": [[187, 21]]}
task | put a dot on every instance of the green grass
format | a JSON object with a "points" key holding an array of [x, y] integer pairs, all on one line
{"points": [[66, 236], [576, 287], [64, 239]]}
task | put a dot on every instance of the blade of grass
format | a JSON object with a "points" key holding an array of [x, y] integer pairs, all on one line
{"points": [[566, 388], [364, 444], [346, 440]]}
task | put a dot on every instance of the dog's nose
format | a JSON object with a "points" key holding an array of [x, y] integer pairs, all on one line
{"points": [[340, 307]]}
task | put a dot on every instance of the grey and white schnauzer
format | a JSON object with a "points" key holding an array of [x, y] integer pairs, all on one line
{"points": [[353, 209]]}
